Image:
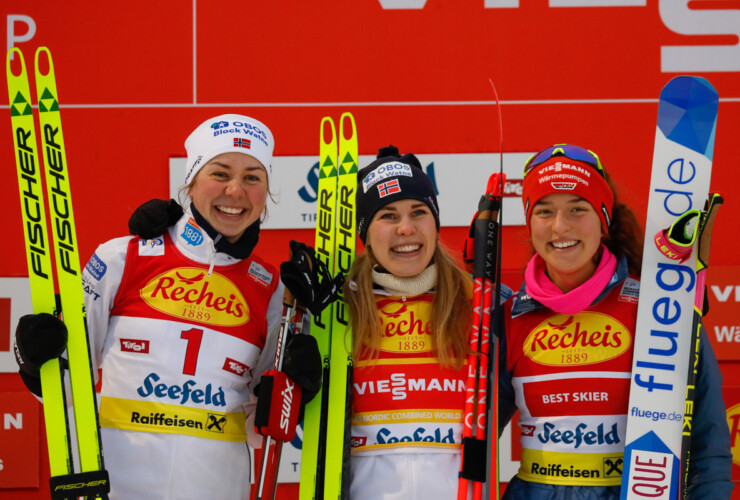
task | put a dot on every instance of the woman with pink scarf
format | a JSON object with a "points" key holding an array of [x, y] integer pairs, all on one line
{"points": [[566, 357]]}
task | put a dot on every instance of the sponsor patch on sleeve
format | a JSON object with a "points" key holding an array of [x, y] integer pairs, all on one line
{"points": [[260, 274], [135, 345], [96, 267], [236, 367], [89, 287], [506, 293], [191, 234], [151, 248], [630, 291]]}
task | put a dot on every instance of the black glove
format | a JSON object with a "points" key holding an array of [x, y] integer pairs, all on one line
{"points": [[38, 338], [302, 363], [154, 217], [308, 279]]}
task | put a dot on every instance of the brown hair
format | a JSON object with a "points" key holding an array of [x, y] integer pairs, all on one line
{"points": [[625, 235], [451, 309]]}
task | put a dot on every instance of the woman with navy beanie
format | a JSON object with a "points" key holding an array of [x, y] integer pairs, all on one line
{"points": [[410, 310]]}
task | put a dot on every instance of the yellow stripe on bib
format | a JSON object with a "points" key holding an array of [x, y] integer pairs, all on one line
{"points": [[574, 469], [146, 416]]}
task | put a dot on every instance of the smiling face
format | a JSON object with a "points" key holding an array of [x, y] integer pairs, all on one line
{"points": [[403, 236], [230, 192], [566, 233]]}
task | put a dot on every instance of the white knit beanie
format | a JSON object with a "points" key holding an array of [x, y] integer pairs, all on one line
{"points": [[228, 134]]}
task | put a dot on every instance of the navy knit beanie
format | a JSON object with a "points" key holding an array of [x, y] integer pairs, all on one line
{"points": [[391, 177]]}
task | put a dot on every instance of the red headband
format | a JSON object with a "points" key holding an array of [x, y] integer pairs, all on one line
{"points": [[560, 174]]}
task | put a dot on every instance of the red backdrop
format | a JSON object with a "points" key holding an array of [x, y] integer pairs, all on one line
{"points": [[136, 77]]}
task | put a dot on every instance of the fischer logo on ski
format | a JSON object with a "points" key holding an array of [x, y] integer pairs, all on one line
{"points": [[326, 417], [92, 478], [313, 454], [340, 375]]}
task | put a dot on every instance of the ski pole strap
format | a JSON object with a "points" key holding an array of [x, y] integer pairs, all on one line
{"points": [[328, 291], [482, 237], [485, 239], [93, 484], [487, 213]]}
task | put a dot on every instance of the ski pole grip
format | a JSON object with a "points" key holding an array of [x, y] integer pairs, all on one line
{"points": [[474, 460], [288, 298], [278, 406], [93, 484]]}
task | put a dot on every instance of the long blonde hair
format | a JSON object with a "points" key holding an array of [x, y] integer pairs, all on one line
{"points": [[451, 309]]}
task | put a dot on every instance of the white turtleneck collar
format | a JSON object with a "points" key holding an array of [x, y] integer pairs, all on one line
{"points": [[407, 286]]}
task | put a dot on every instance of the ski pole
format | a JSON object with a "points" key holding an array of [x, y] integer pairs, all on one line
{"points": [[706, 223], [267, 485], [485, 233], [488, 342], [677, 243], [486, 263], [491, 430]]}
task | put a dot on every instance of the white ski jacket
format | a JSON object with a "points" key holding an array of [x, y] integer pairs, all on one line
{"points": [[181, 333]]}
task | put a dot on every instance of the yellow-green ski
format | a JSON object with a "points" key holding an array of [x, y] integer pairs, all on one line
{"points": [[92, 479], [314, 426], [327, 415], [38, 257], [340, 378]]}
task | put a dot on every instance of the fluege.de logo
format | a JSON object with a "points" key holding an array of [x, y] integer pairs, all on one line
{"points": [[655, 415]]}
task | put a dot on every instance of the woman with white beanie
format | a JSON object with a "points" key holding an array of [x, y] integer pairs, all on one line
{"points": [[183, 324]]}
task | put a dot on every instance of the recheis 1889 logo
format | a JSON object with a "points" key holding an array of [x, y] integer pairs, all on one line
{"points": [[564, 340], [188, 293], [405, 325]]}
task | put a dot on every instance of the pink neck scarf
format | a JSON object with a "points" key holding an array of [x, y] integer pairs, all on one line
{"points": [[543, 290]]}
